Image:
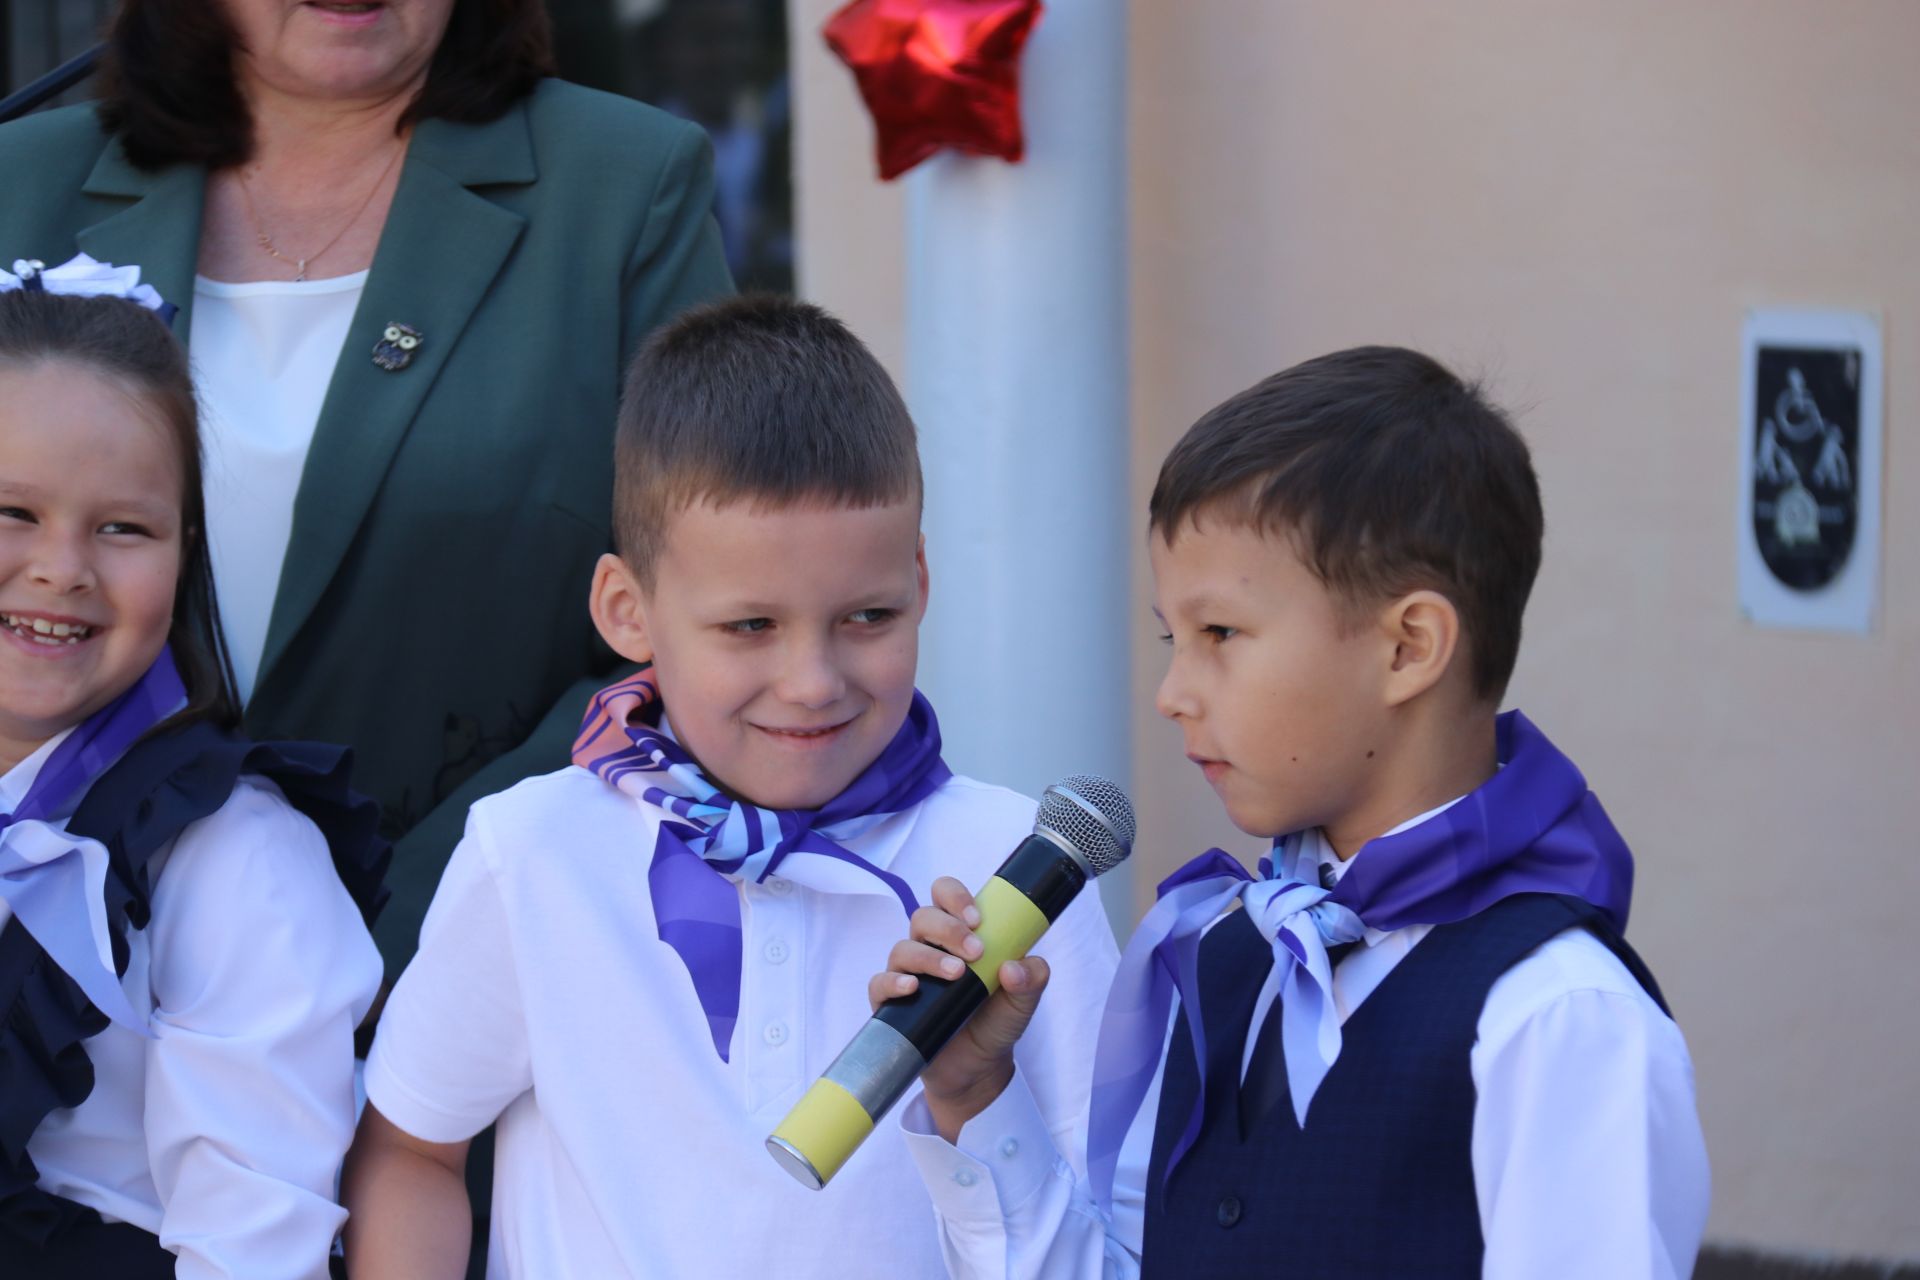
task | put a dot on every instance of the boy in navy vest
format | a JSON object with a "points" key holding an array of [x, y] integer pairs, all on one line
{"points": [[1416, 1044]]}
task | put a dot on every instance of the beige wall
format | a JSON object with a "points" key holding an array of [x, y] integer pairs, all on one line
{"points": [[1577, 200], [847, 223]]}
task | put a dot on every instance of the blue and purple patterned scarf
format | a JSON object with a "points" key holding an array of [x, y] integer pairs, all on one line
{"points": [[54, 881], [709, 839], [1533, 827]]}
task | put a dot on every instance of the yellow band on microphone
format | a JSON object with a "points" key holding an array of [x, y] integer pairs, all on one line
{"points": [[1009, 926], [835, 1116], [826, 1126]]}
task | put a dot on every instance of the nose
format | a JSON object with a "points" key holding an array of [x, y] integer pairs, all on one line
{"points": [[811, 675], [1174, 699], [60, 563]]}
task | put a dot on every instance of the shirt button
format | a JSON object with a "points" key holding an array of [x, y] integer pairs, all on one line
{"points": [[1229, 1212], [1010, 1148], [776, 952], [777, 885], [965, 1177], [776, 1033]]}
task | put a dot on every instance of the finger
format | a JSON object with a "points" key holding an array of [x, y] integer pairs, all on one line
{"points": [[1025, 980], [917, 957], [1003, 1019], [882, 987], [956, 900], [946, 931]]}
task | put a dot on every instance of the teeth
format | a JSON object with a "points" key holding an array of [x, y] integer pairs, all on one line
{"points": [[41, 631]]}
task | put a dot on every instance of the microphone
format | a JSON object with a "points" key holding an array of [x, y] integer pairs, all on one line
{"points": [[1084, 828]]}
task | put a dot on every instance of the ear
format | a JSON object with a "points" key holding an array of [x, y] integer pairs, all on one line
{"points": [[920, 572], [1424, 629], [619, 609]]}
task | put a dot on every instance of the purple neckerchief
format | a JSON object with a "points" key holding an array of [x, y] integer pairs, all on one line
{"points": [[716, 836], [1533, 827], [55, 882]]}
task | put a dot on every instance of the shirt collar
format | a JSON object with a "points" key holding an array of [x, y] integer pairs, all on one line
{"points": [[15, 783], [1309, 856], [877, 838]]}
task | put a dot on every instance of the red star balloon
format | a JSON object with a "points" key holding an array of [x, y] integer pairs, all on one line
{"points": [[937, 73]]}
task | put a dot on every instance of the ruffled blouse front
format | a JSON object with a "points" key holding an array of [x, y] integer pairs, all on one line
{"points": [[251, 960]]}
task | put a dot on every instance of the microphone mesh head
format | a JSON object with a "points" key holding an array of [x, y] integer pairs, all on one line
{"points": [[1093, 816]]}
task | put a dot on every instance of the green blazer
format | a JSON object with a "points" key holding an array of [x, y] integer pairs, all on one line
{"points": [[432, 609]]}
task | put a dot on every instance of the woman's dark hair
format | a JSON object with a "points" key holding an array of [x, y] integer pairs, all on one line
{"points": [[167, 87], [133, 346]]}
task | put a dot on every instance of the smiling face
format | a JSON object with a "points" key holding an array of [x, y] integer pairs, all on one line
{"points": [[90, 546], [372, 50], [785, 640], [1280, 699]]}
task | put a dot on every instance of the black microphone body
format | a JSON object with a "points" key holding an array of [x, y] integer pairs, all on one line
{"points": [[1085, 827], [1044, 875]]}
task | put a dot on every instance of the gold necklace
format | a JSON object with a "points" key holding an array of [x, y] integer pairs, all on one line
{"points": [[299, 265]]}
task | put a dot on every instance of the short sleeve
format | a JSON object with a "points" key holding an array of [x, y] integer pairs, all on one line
{"points": [[261, 970], [452, 1050]]}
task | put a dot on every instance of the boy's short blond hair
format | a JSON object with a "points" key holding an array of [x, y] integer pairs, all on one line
{"points": [[758, 399]]}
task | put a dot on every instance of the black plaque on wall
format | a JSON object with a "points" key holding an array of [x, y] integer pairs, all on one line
{"points": [[1805, 437]]}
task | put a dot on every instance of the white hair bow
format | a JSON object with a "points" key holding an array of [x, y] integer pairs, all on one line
{"points": [[84, 277]]}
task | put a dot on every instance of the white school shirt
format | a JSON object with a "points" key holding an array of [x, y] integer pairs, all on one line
{"points": [[1588, 1160], [223, 1135], [263, 355], [542, 995]]}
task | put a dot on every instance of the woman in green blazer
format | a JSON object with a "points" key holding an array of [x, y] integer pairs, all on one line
{"points": [[526, 234]]}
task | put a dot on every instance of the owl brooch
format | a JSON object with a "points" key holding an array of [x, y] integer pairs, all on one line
{"points": [[395, 349]]}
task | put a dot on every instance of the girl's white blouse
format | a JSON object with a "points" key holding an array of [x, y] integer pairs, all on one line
{"points": [[263, 355], [223, 1134]]}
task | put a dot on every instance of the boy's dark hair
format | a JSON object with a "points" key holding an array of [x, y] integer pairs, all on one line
{"points": [[1390, 474], [758, 398], [167, 86], [125, 342]]}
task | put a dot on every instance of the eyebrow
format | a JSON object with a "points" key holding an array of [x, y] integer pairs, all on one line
{"points": [[145, 508], [1202, 603], [158, 514], [735, 609]]}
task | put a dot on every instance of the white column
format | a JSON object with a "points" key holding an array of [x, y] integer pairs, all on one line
{"points": [[1017, 375]]}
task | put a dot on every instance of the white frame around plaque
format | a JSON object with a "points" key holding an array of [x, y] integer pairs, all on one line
{"points": [[1849, 603]]}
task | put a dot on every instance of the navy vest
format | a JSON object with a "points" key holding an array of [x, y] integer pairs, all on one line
{"points": [[163, 783], [1380, 1181]]}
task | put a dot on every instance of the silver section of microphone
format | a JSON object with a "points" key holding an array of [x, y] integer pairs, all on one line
{"points": [[1085, 818], [1090, 818]]}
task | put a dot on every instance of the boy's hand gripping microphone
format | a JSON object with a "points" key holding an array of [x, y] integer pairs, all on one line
{"points": [[1084, 828]]}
